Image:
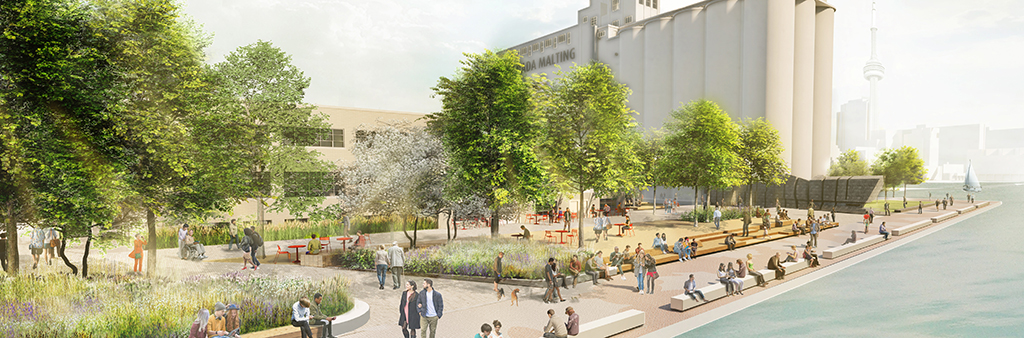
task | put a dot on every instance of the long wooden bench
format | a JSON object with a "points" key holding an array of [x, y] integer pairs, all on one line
{"points": [[349, 321], [715, 291], [911, 227], [612, 325], [944, 217], [965, 210], [841, 250]]}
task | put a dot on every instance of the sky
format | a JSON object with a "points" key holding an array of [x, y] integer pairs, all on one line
{"points": [[947, 62]]}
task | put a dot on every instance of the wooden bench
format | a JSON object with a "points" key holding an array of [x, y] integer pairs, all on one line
{"points": [[966, 209], [358, 316], [841, 250], [911, 227], [612, 325], [944, 217]]}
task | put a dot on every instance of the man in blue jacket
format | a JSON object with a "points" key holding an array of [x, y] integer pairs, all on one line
{"points": [[430, 306]]}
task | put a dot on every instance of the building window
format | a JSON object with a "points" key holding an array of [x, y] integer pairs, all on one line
{"points": [[584, 19], [629, 18], [615, 5], [641, 2], [549, 43], [561, 38], [654, 4], [600, 34], [648, 3], [615, 23], [364, 135], [593, 21], [567, 36], [535, 47], [335, 138]]}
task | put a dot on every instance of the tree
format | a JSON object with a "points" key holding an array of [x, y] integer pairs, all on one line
{"points": [[651, 150], [849, 164], [261, 88], [759, 153], [900, 167], [489, 131], [589, 132], [701, 148]]}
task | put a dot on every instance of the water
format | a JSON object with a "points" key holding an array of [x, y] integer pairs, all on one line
{"points": [[964, 281]]}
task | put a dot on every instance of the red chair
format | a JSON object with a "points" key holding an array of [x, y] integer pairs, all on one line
{"points": [[325, 243], [548, 236], [573, 235], [630, 230], [279, 252]]}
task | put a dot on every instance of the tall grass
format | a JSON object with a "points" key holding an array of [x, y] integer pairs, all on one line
{"points": [[523, 259], [707, 215], [167, 237], [58, 305]]}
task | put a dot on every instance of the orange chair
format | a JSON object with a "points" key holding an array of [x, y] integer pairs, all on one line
{"points": [[630, 230], [548, 236], [573, 235], [279, 252], [325, 243]]}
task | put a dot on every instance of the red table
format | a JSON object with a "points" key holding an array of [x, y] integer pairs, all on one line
{"points": [[620, 225], [560, 234], [343, 241], [296, 247]]}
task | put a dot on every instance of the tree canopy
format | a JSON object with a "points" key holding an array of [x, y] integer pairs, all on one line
{"points": [[849, 164], [901, 166], [759, 152]]}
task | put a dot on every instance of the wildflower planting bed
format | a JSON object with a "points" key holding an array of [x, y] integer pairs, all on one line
{"points": [[707, 215], [167, 237], [523, 259], [60, 305]]}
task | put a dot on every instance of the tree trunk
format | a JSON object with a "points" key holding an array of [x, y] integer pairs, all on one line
{"points": [[495, 218], [263, 226], [455, 225], [63, 245], [904, 191], [415, 228], [655, 199], [579, 233], [151, 244], [448, 225], [694, 211], [85, 256], [405, 230], [12, 242]]}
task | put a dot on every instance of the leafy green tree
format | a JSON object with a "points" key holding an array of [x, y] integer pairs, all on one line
{"points": [[489, 130], [260, 87], [849, 164], [590, 135], [650, 151], [901, 166], [760, 154], [701, 148]]}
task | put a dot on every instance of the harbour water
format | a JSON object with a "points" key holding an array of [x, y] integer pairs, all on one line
{"points": [[966, 280]]}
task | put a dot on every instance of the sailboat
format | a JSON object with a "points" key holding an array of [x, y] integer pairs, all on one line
{"points": [[971, 183]]}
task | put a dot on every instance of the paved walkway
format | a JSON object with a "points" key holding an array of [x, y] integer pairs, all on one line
{"points": [[470, 304]]}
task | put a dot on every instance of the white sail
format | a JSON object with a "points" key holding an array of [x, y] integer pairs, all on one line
{"points": [[971, 183]]}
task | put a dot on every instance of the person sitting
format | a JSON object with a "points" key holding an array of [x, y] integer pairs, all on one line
{"points": [[196, 249], [216, 327], [797, 230], [300, 317], [572, 326], [361, 241], [730, 242], [597, 264], [485, 331], [198, 329], [576, 269], [678, 249], [526, 232], [313, 247], [693, 247], [775, 264], [882, 231], [690, 288], [617, 258], [233, 323], [810, 256], [852, 239], [555, 328], [658, 243], [792, 255], [318, 318]]}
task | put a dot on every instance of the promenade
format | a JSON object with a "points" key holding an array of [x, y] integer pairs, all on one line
{"points": [[469, 304]]}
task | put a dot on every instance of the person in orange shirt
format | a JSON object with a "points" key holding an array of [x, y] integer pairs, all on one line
{"points": [[137, 253]]}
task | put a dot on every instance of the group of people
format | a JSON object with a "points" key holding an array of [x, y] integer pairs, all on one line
{"points": [[43, 240], [421, 310], [188, 246], [492, 330], [224, 323], [249, 243], [393, 259], [556, 328]]}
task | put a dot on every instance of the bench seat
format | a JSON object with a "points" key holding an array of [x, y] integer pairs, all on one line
{"points": [[835, 252], [911, 227], [966, 209], [612, 325], [982, 204], [944, 217]]}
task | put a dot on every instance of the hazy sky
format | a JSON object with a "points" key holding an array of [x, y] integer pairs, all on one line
{"points": [[947, 62]]}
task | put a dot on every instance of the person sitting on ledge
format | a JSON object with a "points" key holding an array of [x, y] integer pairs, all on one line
{"points": [[852, 239], [318, 318], [791, 256], [775, 264], [658, 244], [361, 241], [678, 249], [882, 231], [526, 232], [485, 331], [313, 247], [555, 328], [810, 256], [796, 228], [730, 242], [690, 289]]}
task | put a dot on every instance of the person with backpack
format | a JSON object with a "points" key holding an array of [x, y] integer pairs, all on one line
{"points": [[245, 244], [257, 242]]}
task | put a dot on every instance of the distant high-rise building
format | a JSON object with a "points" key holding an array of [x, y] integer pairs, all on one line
{"points": [[874, 72], [852, 125]]}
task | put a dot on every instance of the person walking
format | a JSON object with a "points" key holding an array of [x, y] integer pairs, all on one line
{"points": [[396, 259], [497, 269], [245, 244], [887, 208], [51, 242], [551, 275], [598, 228], [758, 277], [346, 222], [182, 232], [136, 253], [651, 266], [814, 233], [233, 235], [408, 317], [257, 242], [430, 305], [718, 218], [381, 262], [746, 223], [567, 217], [639, 269], [36, 246], [867, 221]]}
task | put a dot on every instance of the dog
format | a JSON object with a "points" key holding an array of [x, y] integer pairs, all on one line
{"points": [[501, 293], [515, 297]]}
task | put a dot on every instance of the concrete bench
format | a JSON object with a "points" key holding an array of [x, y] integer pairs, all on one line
{"points": [[965, 209], [711, 292], [831, 253], [908, 228], [612, 325], [982, 204], [347, 322], [944, 217]]}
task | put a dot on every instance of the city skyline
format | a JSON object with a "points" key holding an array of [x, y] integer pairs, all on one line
{"points": [[387, 55]]}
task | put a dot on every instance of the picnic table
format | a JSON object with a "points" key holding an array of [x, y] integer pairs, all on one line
{"points": [[344, 240], [561, 233], [620, 225], [296, 247]]}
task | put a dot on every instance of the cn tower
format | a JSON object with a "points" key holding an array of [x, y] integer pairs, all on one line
{"points": [[873, 72]]}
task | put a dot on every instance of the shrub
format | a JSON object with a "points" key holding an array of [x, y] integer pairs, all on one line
{"points": [[68, 306], [167, 237], [707, 215], [523, 259]]}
